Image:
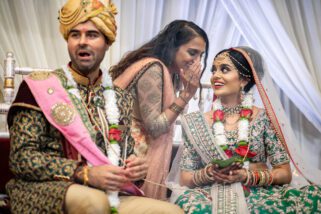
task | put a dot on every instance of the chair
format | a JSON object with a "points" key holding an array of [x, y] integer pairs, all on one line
{"points": [[10, 70]]}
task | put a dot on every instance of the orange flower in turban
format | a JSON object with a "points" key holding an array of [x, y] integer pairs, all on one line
{"points": [[101, 13]]}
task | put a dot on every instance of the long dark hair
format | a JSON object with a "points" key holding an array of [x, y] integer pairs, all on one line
{"points": [[164, 45], [242, 65]]}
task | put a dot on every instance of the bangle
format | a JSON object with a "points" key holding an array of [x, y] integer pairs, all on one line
{"points": [[248, 178], [208, 175], [86, 178], [195, 179], [262, 178], [183, 98], [176, 108], [270, 180]]}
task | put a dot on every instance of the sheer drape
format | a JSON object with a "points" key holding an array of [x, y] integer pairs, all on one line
{"points": [[286, 32]]}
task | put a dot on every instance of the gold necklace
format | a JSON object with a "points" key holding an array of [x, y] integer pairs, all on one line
{"points": [[228, 111]]}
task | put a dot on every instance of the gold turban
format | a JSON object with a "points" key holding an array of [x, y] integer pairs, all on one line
{"points": [[101, 14]]}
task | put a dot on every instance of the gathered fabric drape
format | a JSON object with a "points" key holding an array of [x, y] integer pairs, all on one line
{"points": [[286, 32]]}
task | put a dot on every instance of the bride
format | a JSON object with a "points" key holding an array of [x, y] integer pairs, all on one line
{"points": [[236, 158]]}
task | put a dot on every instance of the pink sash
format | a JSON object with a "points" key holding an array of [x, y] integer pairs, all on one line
{"points": [[49, 93]]}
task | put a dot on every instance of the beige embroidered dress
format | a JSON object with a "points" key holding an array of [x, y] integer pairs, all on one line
{"points": [[150, 84]]}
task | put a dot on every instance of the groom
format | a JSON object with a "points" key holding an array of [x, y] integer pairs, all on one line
{"points": [[59, 125]]}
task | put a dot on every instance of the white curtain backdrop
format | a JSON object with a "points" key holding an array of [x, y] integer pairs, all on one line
{"points": [[286, 32]]}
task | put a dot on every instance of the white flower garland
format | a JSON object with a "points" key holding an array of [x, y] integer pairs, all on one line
{"points": [[112, 113], [243, 124]]}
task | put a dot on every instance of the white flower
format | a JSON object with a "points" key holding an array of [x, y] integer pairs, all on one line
{"points": [[243, 126], [114, 153], [112, 114], [219, 127], [106, 79], [70, 80], [219, 133], [113, 198], [220, 139], [247, 101], [75, 92], [111, 106]]}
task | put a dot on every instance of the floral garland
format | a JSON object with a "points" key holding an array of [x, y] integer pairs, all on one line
{"points": [[112, 113], [243, 128]]}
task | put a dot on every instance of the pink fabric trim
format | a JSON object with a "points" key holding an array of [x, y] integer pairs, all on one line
{"points": [[76, 133]]}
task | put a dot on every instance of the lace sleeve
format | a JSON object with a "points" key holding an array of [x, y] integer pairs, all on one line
{"points": [[150, 100]]}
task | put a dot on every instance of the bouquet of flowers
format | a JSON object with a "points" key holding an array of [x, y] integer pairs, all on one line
{"points": [[242, 151]]}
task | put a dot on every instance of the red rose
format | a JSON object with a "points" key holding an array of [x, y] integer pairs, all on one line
{"points": [[242, 150], [114, 134], [246, 113], [218, 115], [228, 153]]}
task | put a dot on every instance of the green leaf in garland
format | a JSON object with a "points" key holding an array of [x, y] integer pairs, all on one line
{"points": [[227, 162], [113, 142], [115, 126], [242, 143], [224, 147], [113, 210]]}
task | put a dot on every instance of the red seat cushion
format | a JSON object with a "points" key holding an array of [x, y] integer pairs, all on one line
{"points": [[5, 173]]}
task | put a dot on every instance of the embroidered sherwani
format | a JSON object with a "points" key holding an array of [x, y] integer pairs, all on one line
{"points": [[39, 157]]}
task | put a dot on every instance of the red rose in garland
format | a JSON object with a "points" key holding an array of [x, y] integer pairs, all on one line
{"points": [[246, 113], [114, 134], [229, 153], [241, 152], [218, 115]]}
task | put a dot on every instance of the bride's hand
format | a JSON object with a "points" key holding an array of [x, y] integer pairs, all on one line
{"points": [[234, 176], [226, 170]]}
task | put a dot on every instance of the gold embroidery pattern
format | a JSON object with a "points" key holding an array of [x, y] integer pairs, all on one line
{"points": [[63, 114], [37, 152], [39, 75]]}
